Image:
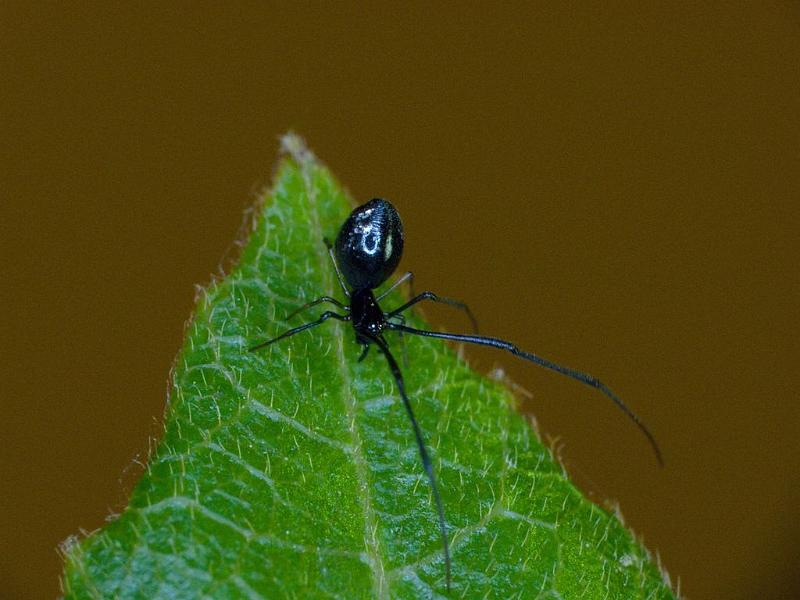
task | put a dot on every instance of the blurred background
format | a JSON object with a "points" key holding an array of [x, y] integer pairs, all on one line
{"points": [[614, 188]]}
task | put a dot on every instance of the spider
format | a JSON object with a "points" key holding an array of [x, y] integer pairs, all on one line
{"points": [[366, 252]]}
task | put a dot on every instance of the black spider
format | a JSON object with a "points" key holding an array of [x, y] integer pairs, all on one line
{"points": [[366, 252]]}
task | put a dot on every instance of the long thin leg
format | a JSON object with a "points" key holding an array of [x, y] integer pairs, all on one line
{"points": [[433, 297], [402, 321], [577, 375], [319, 300], [408, 275], [323, 317], [336, 266], [423, 452]]}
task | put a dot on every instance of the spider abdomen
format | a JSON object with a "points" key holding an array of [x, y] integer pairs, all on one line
{"points": [[370, 244]]}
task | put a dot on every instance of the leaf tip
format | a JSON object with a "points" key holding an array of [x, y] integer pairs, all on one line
{"points": [[295, 146]]}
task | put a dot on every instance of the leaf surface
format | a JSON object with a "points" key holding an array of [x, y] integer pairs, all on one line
{"points": [[293, 473]]}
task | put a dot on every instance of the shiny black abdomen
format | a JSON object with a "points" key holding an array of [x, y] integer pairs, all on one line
{"points": [[370, 244]]}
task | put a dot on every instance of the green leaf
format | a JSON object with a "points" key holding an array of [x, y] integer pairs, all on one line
{"points": [[293, 471]]}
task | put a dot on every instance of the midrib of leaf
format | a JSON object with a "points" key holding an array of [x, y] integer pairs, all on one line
{"points": [[371, 543]]}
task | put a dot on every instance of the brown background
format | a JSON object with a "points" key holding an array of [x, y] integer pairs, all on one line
{"points": [[615, 189]]}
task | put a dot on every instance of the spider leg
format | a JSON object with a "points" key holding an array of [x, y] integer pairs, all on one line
{"points": [[423, 451], [323, 317], [364, 353], [319, 300], [336, 266], [407, 276], [543, 362], [434, 298], [402, 321]]}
